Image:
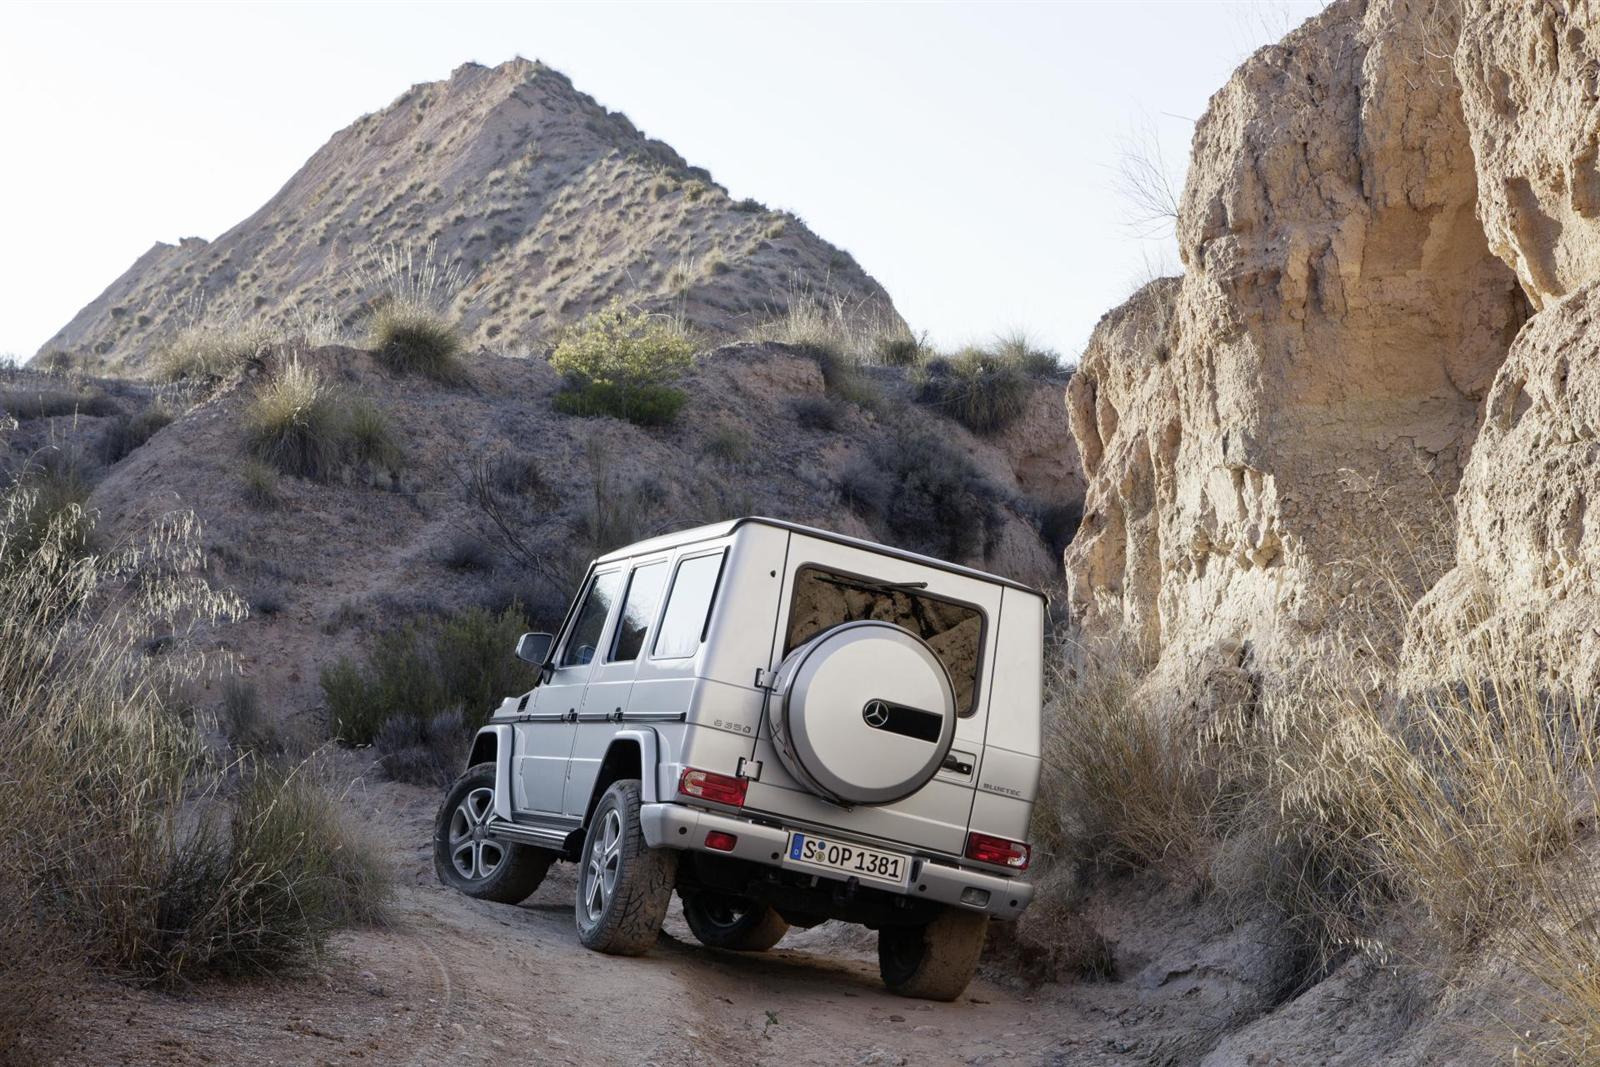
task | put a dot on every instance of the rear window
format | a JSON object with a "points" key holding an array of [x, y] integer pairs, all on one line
{"points": [[824, 599], [688, 614]]}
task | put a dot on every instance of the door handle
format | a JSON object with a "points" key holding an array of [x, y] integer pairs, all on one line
{"points": [[960, 766]]}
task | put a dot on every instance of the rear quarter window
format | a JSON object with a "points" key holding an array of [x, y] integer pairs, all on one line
{"points": [[689, 603]]}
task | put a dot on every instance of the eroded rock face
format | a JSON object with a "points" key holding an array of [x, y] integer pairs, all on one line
{"points": [[1530, 81], [1307, 394]]}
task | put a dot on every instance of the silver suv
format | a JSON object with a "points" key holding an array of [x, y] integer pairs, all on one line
{"points": [[786, 726]]}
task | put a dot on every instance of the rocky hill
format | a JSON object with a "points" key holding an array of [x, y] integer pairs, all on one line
{"points": [[538, 203]]}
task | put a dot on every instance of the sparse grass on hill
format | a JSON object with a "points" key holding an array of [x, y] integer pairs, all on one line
{"points": [[623, 363]]}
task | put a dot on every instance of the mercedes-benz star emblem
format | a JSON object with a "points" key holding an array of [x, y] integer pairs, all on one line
{"points": [[876, 713]]}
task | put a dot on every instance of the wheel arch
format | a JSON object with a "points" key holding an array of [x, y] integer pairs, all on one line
{"points": [[631, 754]]}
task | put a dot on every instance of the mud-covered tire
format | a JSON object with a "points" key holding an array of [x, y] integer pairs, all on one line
{"points": [[624, 885], [718, 920], [464, 855], [936, 961]]}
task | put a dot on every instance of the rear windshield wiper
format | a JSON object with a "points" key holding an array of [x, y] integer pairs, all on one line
{"points": [[869, 586]]}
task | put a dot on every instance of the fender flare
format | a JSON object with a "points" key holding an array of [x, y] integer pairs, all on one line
{"points": [[649, 760], [502, 740]]}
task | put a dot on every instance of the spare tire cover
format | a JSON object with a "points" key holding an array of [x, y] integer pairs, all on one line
{"points": [[863, 713]]}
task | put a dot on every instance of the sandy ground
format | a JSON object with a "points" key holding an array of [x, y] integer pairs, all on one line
{"points": [[462, 981]]}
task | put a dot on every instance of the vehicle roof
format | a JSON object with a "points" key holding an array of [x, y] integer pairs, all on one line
{"points": [[681, 538]]}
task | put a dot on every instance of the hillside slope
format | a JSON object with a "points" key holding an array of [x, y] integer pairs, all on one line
{"points": [[541, 203]]}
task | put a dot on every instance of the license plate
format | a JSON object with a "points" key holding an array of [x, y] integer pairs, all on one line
{"points": [[848, 858]]}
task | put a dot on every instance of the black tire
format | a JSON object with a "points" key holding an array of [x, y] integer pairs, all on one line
{"points": [[463, 854], [718, 920], [624, 885], [936, 961]]}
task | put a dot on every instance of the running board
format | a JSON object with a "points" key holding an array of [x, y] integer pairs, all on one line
{"points": [[542, 837]]}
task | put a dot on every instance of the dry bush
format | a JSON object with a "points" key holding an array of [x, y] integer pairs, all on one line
{"points": [[41, 401], [119, 848], [1121, 788], [214, 348], [411, 339], [925, 494], [984, 391], [127, 432], [416, 671], [259, 484], [369, 437]]}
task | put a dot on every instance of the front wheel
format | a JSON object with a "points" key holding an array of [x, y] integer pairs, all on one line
{"points": [[467, 859], [718, 920], [624, 885], [935, 961]]}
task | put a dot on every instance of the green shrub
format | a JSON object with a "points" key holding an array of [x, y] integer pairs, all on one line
{"points": [[294, 423], [619, 347], [926, 495], [415, 671], [645, 405], [411, 338], [621, 363], [982, 391]]}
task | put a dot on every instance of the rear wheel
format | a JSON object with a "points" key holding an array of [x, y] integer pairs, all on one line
{"points": [[470, 861], [719, 920], [935, 961], [624, 885]]}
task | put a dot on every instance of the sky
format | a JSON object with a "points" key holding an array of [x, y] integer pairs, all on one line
{"points": [[968, 155]]}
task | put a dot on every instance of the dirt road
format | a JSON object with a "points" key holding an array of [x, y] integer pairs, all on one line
{"points": [[459, 981]]}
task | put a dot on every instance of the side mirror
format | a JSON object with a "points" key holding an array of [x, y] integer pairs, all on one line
{"points": [[535, 648]]}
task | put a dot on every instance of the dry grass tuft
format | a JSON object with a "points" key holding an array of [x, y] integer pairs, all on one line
{"points": [[121, 848], [214, 348], [294, 423]]}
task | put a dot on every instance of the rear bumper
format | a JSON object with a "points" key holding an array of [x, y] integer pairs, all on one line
{"points": [[678, 826]]}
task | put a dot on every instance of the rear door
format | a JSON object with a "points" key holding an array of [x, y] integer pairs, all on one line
{"points": [[544, 733], [936, 816], [605, 700]]}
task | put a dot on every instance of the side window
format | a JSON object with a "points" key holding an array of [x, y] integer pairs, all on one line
{"points": [[639, 609], [591, 620], [688, 614]]}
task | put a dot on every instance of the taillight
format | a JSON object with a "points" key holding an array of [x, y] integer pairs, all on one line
{"points": [[986, 848], [716, 788]]}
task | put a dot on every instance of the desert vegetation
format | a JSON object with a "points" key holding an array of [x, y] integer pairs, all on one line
{"points": [[1420, 823], [296, 423], [455, 666], [926, 494], [127, 848], [623, 363], [408, 329], [986, 389]]}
